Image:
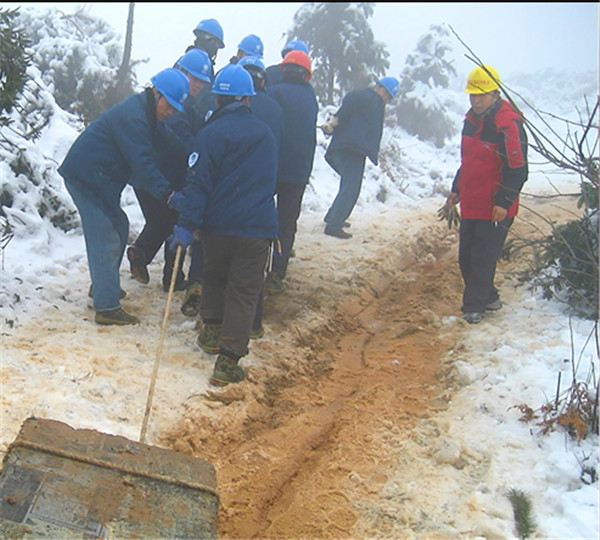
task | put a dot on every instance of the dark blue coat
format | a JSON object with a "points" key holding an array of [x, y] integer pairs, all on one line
{"points": [[121, 147], [297, 150], [231, 179], [273, 75], [360, 124], [197, 109], [269, 111]]}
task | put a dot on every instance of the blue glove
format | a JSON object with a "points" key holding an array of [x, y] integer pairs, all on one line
{"points": [[180, 237], [176, 200]]}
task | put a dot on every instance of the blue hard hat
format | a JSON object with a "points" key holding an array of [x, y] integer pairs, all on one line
{"points": [[250, 62], [233, 80], [197, 63], [390, 84], [294, 45], [252, 45], [212, 27], [173, 85]]}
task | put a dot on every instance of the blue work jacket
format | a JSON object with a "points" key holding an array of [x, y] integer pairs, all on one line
{"points": [[121, 146], [231, 178], [297, 149], [360, 124]]}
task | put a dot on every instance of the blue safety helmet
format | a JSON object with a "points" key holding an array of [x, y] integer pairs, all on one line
{"points": [[252, 45], [212, 27], [197, 63], [173, 85], [252, 63], [390, 84], [294, 45], [233, 80]]}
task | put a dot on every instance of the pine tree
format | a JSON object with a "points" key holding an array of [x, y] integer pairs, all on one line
{"points": [[14, 61], [344, 53], [424, 84], [82, 70]]}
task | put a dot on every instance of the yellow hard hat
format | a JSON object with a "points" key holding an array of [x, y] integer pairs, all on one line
{"points": [[483, 79]]}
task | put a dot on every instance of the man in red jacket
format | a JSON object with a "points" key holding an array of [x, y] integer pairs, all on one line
{"points": [[487, 185]]}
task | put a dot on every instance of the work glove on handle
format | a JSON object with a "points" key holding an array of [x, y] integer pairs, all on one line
{"points": [[180, 237], [449, 212]]}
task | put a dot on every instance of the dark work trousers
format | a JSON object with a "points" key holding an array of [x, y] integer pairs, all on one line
{"points": [[232, 279], [480, 247], [289, 204], [350, 165], [160, 220]]}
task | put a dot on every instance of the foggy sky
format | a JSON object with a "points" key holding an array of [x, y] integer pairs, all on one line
{"points": [[512, 37]]}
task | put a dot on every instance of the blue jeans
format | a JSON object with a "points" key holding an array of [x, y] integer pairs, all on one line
{"points": [[350, 165], [105, 230]]}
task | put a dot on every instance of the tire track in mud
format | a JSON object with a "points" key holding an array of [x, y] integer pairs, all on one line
{"points": [[304, 452]]}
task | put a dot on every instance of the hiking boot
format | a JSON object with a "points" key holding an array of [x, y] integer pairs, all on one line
{"points": [[115, 316], [191, 302], [495, 305], [258, 333], [137, 264], [208, 339], [122, 293], [226, 371], [274, 283], [338, 233], [473, 317]]}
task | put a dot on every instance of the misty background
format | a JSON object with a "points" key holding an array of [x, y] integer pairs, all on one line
{"points": [[521, 37]]}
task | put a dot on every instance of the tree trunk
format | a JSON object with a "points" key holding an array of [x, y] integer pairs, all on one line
{"points": [[124, 84]]}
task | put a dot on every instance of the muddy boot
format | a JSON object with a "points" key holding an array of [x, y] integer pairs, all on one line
{"points": [[115, 316], [274, 283], [191, 302], [257, 333], [226, 371], [208, 340], [137, 264]]}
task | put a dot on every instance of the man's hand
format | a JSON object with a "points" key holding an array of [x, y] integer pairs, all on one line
{"points": [[180, 237], [499, 213], [329, 126]]}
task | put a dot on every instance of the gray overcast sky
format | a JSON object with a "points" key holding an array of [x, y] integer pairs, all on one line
{"points": [[511, 36]]}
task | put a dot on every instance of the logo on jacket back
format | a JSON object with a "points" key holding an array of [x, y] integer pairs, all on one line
{"points": [[192, 159]]}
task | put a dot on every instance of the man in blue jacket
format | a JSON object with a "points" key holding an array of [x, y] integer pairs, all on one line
{"points": [[269, 111], [160, 219], [274, 72], [297, 99], [357, 127], [116, 149], [228, 200]]}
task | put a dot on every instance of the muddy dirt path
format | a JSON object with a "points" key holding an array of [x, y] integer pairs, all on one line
{"points": [[341, 440], [308, 455]]}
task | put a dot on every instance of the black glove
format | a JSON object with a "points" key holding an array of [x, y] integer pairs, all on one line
{"points": [[449, 212]]}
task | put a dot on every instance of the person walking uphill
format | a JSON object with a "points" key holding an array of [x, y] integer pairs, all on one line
{"points": [[118, 148], [228, 200], [297, 99], [357, 127], [487, 185]]}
